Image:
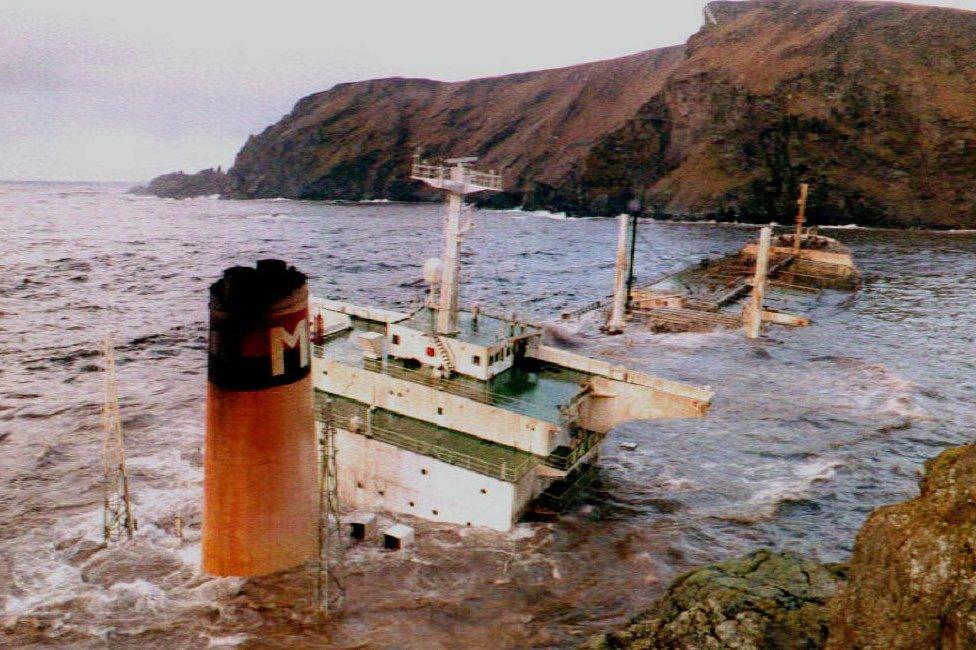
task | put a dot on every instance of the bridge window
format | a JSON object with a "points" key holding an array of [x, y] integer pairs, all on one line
{"points": [[396, 339], [476, 359]]}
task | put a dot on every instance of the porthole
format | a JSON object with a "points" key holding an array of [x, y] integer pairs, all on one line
{"points": [[411, 504], [434, 512], [424, 472], [484, 491], [382, 493]]}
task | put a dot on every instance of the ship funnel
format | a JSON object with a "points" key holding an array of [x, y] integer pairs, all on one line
{"points": [[260, 469]]}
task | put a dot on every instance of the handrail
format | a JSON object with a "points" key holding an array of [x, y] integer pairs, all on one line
{"points": [[491, 180], [588, 441], [503, 470], [447, 385]]}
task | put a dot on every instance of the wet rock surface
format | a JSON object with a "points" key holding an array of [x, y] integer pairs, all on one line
{"points": [[913, 573], [761, 600], [911, 583]]}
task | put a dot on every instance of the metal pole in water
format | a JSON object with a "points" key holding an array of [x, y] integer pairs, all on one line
{"points": [[117, 506], [617, 315], [754, 308], [633, 251]]}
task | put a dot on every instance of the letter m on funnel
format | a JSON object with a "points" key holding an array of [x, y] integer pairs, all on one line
{"points": [[281, 339]]}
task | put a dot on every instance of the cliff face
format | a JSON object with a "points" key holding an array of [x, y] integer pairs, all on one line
{"points": [[871, 103], [356, 140]]}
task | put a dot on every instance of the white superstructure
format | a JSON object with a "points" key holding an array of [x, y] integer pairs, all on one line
{"points": [[466, 417]]}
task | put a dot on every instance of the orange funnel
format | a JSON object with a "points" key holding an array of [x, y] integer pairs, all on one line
{"points": [[260, 469]]}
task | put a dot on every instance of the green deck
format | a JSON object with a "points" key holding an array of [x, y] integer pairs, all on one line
{"points": [[488, 458], [530, 388]]}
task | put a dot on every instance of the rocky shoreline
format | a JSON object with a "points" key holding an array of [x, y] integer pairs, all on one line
{"points": [[910, 584], [206, 182]]}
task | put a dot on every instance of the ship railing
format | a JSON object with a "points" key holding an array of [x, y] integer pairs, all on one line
{"points": [[564, 494], [452, 386], [490, 179], [510, 471], [425, 170], [587, 440]]}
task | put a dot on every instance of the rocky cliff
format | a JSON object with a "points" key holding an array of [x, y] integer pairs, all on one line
{"points": [[178, 185], [356, 140], [869, 102], [911, 584]]}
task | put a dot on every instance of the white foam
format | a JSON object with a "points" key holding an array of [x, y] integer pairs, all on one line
{"points": [[559, 216], [764, 501], [216, 589], [521, 531], [226, 641]]}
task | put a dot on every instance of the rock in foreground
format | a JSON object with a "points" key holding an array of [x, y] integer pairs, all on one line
{"points": [[206, 182], [762, 600], [913, 572]]}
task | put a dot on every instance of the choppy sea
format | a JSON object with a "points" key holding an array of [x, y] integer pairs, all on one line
{"points": [[809, 431]]}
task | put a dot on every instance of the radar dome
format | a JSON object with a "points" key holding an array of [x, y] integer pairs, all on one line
{"points": [[433, 267]]}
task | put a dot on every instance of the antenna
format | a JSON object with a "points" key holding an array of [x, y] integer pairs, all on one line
{"points": [[630, 268], [117, 508], [330, 589], [801, 217], [456, 178]]}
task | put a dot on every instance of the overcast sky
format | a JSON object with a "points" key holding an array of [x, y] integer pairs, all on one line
{"points": [[106, 90]]}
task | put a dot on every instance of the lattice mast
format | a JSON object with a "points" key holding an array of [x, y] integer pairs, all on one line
{"points": [[457, 179], [330, 589], [117, 507]]}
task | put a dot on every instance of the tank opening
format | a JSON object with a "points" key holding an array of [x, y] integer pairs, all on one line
{"points": [[391, 543], [357, 530]]}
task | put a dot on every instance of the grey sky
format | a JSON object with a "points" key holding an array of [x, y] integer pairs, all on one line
{"points": [[110, 90]]}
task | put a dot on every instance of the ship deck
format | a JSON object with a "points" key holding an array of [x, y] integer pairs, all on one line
{"points": [[529, 388], [485, 331]]}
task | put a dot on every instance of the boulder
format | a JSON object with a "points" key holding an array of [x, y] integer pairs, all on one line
{"points": [[913, 571], [760, 601]]}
